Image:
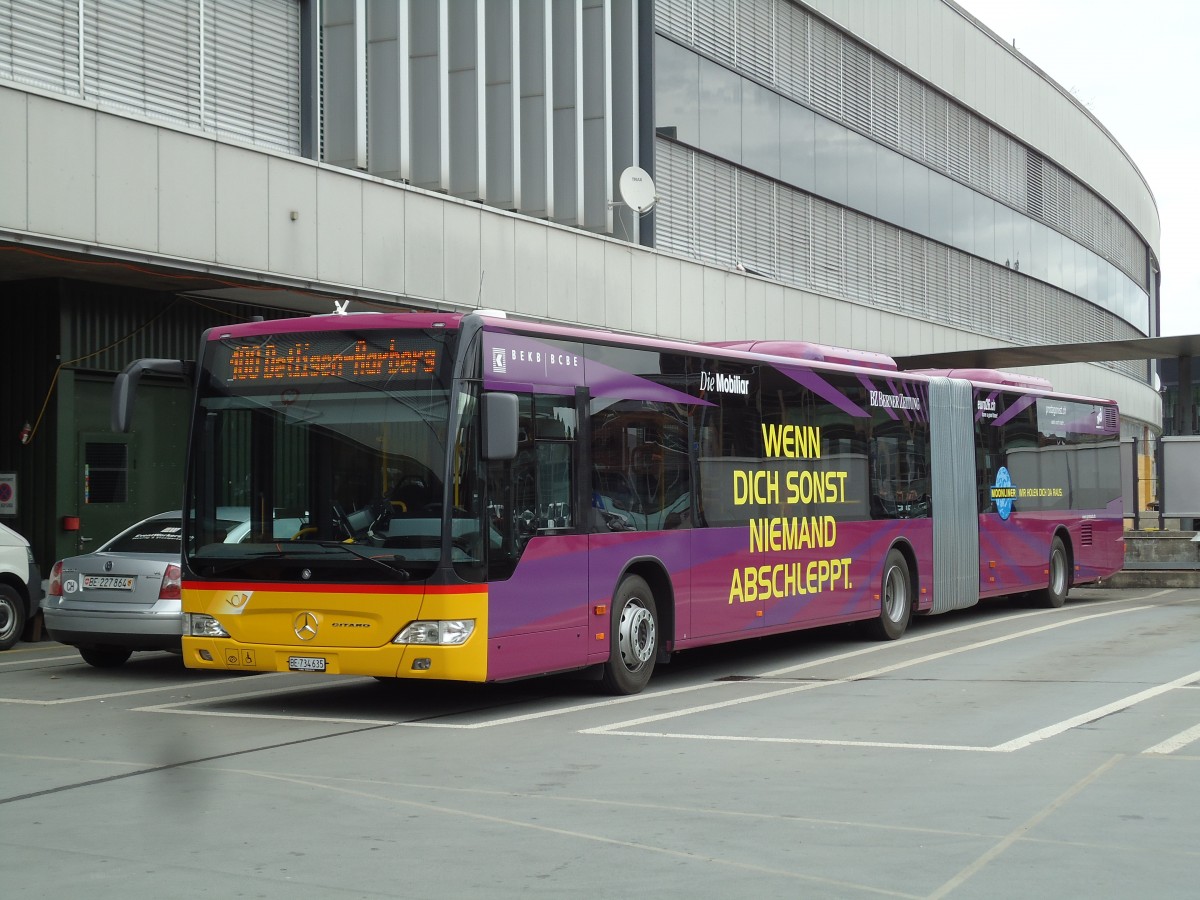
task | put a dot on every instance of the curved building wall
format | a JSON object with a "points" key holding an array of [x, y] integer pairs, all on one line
{"points": [[842, 149], [942, 43]]}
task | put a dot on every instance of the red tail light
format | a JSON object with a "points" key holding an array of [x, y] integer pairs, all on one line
{"points": [[55, 588], [172, 584]]}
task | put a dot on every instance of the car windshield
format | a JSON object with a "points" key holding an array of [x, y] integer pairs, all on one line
{"points": [[321, 437]]}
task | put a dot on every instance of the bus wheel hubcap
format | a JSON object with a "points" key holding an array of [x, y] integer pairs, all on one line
{"points": [[636, 635], [893, 595]]}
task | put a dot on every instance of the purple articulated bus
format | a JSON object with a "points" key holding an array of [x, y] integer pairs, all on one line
{"points": [[483, 499]]}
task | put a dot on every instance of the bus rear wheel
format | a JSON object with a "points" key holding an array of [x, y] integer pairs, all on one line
{"points": [[895, 599], [634, 638], [1055, 594]]}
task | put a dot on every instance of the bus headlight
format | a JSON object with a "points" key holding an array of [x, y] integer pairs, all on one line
{"points": [[200, 625], [446, 631]]}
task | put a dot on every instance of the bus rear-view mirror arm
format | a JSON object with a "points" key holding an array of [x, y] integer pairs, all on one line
{"points": [[500, 425], [126, 384]]}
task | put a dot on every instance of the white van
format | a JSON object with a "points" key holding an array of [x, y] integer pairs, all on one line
{"points": [[20, 586]]}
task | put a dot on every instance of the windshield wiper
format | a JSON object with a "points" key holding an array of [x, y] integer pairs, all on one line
{"points": [[362, 554], [219, 564]]}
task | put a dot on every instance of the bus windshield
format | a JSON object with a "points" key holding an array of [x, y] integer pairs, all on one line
{"points": [[332, 447]]}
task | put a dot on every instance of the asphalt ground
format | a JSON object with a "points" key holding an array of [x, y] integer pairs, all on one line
{"points": [[1004, 751]]}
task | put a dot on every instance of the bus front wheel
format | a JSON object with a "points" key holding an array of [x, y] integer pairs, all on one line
{"points": [[633, 638], [1055, 594], [895, 599]]}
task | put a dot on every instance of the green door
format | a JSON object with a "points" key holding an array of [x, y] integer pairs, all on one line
{"points": [[122, 478]]}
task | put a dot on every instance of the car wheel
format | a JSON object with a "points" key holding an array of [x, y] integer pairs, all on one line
{"points": [[634, 638], [105, 657], [12, 616]]}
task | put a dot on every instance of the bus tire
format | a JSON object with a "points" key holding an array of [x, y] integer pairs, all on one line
{"points": [[1055, 594], [634, 638], [895, 599], [12, 616]]}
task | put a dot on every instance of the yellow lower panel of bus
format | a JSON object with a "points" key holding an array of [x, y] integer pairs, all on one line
{"points": [[339, 632]]}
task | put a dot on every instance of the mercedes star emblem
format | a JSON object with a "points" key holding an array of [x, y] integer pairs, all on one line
{"points": [[306, 626]]}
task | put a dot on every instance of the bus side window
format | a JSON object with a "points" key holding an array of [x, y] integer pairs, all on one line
{"points": [[640, 469]]}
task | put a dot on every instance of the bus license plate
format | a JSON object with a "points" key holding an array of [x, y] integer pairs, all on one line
{"points": [[306, 664]]}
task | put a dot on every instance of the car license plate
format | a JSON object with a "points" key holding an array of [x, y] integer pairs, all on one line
{"points": [[306, 664], [108, 582]]}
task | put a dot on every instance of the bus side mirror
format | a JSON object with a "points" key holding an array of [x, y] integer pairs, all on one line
{"points": [[125, 387], [500, 421]]}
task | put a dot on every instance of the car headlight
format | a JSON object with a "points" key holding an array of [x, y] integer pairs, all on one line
{"points": [[200, 625], [446, 632]]}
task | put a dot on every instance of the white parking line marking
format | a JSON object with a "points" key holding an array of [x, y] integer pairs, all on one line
{"points": [[112, 694], [1018, 833], [849, 679], [579, 707], [1178, 742], [176, 708], [1099, 712]]}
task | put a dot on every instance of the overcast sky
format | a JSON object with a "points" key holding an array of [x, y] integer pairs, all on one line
{"points": [[1134, 66]]}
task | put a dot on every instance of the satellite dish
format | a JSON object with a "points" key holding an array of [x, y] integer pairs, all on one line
{"points": [[637, 190]]}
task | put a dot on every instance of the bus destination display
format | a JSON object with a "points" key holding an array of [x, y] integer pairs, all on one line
{"points": [[293, 359]]}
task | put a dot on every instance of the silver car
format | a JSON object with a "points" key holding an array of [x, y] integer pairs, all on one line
{"points": [[125, 596]]}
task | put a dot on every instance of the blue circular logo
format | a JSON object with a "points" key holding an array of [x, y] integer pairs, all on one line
{"points": [[1003, 493]]}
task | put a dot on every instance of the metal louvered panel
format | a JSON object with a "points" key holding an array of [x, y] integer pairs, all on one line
{"points": [[145, 57], [674, 17], [828, 248], [674, 217], [912, 273], [1006, 178], [981, 161], [860, 267], [956, 526], [757, 225], [792, 47], [959, 285], [39, 43], [252, 64], [714, 28], [937, 294], [715, 194], [755, 36], [885, 258], [885, 101], [794, 238], [825, 60], [912, 117], [856, 85], [937, 149], [958, 136]]}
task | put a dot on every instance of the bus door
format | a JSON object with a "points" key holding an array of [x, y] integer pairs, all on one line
{"points": [[538, 561]]}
